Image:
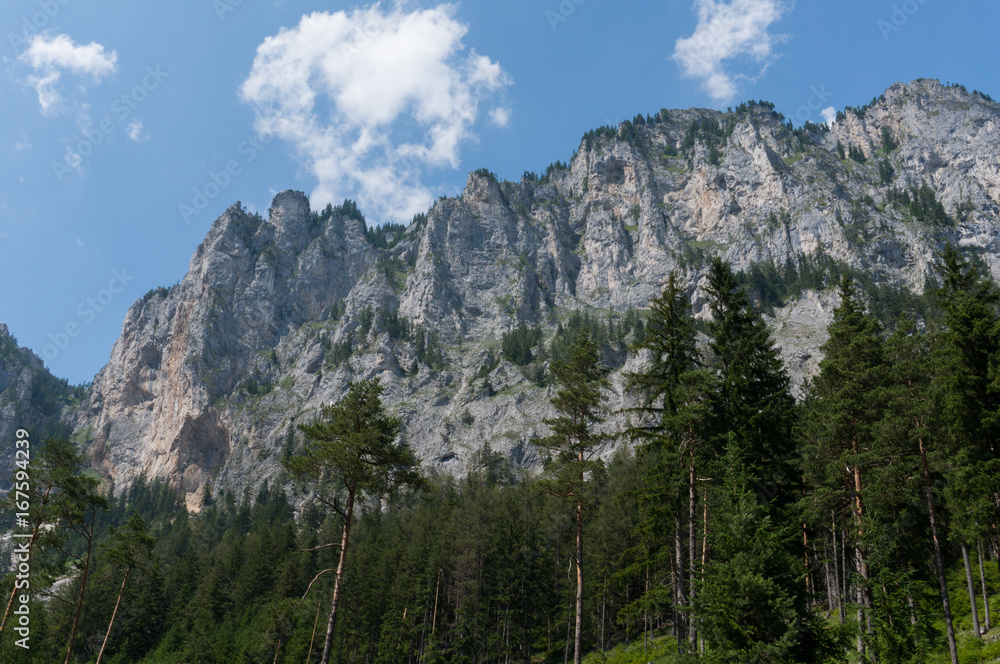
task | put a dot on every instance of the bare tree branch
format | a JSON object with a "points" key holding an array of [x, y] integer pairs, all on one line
{"points": [[309, 587]]}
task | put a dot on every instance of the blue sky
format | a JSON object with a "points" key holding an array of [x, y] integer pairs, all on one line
{"points": [[128, 127]]}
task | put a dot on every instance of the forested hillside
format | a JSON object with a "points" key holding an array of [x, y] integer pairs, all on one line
{"points": [[859, 524], [30, 397]]}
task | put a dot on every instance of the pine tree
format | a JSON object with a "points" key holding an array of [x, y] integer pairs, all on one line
{"points": [[352, 450], [970, 353], [79, 512], [752, 606], [968, 397], [846, 406], [909, 424], [55, 467], [673, 388], [582, 380], [751, 399], [130, 548], [671, 383]]}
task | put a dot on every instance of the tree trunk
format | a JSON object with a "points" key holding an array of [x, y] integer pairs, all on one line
{"points": [[83, 586], [578, 640], [704, 546], [843, 579], [828, 580], [810, 583], [805, 548], [681, 586], [436, 591], [13, 590], [645, 623], [569, 624], [31, 543], [836, 569], [674, 624], [121, 591], [692, 554], [862, 565], [861, 605], [938, 562], [704, 532], [972, 591], [309, 654], [982, 579], [338, 582], [604, 602]]}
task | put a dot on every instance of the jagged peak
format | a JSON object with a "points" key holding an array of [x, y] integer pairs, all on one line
{"points": [[482, 185], [923, 91], [933, 86], [286, 205], [289, 199]]}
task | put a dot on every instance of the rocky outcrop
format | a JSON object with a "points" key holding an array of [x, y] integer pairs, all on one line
{"points": [[276, 316], [31, 399]]}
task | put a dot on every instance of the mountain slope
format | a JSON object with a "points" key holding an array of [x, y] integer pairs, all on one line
{"points": [[277, 315], [31, 399]]}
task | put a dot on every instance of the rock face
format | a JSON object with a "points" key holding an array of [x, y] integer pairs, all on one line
{"points": [[276, 316], [31, 399]]}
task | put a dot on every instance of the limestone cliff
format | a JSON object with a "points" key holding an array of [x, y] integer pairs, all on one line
{"points": [[277, 315]]}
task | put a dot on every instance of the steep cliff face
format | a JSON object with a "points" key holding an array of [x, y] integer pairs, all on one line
{"points": [[159, 406], [277, 315]]}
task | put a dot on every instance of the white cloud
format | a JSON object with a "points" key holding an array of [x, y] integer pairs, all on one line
{"points": [[50, 57], [500, 116], [23, 143], [829, 115], [135, 131], [371, 99], [728, 32]]}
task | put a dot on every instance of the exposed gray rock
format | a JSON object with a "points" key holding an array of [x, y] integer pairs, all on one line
{"points": [[208, 378]]}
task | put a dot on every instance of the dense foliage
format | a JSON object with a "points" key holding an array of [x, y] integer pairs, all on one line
{"points": [[48, 395]]}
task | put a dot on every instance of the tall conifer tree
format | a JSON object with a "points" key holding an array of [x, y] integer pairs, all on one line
{"points": [[751, 399], [673, 387], [846, 406], [352, 451], [909, 425], [582, 380]]}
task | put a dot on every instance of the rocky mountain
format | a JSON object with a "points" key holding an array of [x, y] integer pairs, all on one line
{"points": [[276, 316], [30, 398]]}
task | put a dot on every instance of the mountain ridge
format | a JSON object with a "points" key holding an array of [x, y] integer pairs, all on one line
{"points": [[275, 316]]}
